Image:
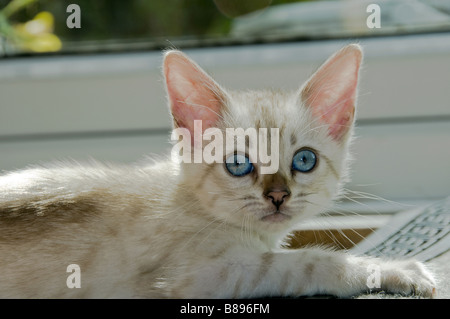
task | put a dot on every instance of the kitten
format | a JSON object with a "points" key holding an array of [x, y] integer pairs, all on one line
{"points": [[199, 230]]}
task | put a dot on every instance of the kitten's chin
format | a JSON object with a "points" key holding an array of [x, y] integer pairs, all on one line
{"points": [[276, 217]]}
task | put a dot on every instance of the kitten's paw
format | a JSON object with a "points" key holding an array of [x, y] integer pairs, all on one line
{"points": [[408, 277]]}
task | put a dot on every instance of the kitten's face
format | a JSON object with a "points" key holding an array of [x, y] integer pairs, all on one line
{"points": [[299, 189], [314, 126]]}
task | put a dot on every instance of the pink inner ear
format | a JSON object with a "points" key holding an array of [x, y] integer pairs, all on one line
{"points": [[337, 113], [331, 92], [193, 94]]}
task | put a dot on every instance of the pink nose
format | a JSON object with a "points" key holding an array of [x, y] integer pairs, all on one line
{"points": [[277, 196]]}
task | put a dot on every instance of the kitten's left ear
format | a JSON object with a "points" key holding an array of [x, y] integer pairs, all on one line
{"points": [[331, 91]]}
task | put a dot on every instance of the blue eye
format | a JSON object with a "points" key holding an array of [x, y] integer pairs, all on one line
{"points": [[304, 161], [238, 165]]}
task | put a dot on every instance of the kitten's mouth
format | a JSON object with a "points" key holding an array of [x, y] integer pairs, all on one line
{"points": [[276, 217]]}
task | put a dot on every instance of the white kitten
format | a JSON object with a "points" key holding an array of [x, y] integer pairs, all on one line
{"points": [[199, 230]]}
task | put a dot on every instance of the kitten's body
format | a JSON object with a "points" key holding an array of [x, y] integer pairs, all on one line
{"points": [[191, 230], [132, 233]]}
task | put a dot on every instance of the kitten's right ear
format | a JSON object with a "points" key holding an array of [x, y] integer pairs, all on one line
{"points": [[193, 94]]}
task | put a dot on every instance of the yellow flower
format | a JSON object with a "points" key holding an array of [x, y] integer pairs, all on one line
{"points": [[42, 23], [36, 35], [46, 42]]}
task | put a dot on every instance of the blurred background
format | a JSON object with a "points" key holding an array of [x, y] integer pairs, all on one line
{"points": [[96, 91]]}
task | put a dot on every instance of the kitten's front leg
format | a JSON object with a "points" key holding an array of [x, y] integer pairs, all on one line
{"points": [[246, 274]]}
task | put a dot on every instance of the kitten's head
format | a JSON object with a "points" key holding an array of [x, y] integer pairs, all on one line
{"points": [[309, 154]]}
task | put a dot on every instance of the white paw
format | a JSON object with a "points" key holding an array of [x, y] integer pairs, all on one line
{"points": [[408, 277]]}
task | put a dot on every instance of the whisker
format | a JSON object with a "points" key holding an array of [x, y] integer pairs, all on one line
{"points": [[365, 195]]}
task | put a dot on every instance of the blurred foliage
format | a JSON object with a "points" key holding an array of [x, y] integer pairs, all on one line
{"points": [[138, 19], [35, 35]]}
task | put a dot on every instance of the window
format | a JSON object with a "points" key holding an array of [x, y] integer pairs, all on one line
{"points": [[117, 25]]}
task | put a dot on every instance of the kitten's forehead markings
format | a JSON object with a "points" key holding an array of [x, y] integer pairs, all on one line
{"points": [[293, 139], [258, 124]]}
